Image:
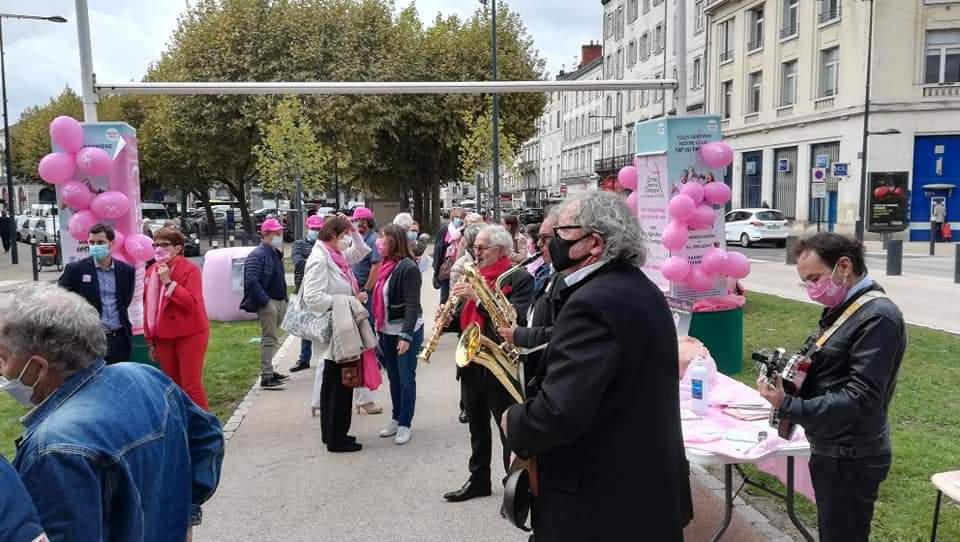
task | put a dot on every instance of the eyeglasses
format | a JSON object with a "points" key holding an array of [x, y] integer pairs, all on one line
{"points": [[558, 229], [162, 244], [544, 239], [481, 248]]}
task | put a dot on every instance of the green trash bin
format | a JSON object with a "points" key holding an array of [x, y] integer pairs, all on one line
{"points": [[722, 333], [140, 353]]}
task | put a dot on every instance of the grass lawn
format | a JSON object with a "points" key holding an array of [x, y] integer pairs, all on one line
{"points": [[233, 362], [925, 422]]}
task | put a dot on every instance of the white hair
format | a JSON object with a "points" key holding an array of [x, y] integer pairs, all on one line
{"points": [[404, 220], [499, 237], [608, 215], [46, 320]]}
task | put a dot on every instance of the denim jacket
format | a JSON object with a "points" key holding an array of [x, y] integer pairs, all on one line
{"points": [[119, 453], [18, 518]]}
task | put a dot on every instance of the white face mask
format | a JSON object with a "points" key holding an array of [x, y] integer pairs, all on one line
{"points": [[276, 241], [344, 243], [20, 392]]}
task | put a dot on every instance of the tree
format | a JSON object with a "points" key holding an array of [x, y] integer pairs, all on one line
{"points": [[476, 152], [289, 151]]}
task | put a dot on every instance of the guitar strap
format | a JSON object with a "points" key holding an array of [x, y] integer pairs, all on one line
{"points": [[861, 302]]}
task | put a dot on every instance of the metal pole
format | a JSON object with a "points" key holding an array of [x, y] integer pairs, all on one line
{"points": [[862, 202], [87, 79], [298, 226], [956, 264], [894, 257], [496, 116], [476, 200], [8, 162], [680, 97]]}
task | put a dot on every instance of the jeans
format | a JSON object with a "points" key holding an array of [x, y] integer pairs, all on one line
{"points": [[402, 373], [306, 351], [846, 491]]}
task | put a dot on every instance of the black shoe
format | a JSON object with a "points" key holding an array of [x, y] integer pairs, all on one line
{"points": [[300, 366], [469, 491], [280, 377], [272, 384], [346, 447], [463, 417]]}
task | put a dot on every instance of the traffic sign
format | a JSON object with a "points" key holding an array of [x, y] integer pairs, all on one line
{"points": [[563, 190], [818, 190], [840, 169]]}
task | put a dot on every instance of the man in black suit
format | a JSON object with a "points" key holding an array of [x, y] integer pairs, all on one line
{"points": [[107, 284], [605, 423]]}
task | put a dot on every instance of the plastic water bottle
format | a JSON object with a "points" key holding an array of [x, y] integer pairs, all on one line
{"points": [[700, 385]]}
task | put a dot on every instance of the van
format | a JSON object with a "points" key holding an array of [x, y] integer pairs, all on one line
{"points": [[155, 215]]}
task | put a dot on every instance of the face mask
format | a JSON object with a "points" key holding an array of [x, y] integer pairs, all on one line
{"points": [[827, 292], [276, 241], [457, 222], [99, 252], [20, 392], [344, 243], [161, 254], [382, 249], [412, 235], [312, 235], [560, 252]]}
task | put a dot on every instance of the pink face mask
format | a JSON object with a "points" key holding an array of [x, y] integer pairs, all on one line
{"points": [[161, 254], [382, 248], [827, 292]]}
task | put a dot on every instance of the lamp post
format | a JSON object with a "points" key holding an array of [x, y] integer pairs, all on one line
{"points": [[496, 111], [602, 118], [8, 162]]}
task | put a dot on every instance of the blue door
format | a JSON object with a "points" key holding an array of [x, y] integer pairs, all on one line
{"points": [[831, 210], [936, 162]]}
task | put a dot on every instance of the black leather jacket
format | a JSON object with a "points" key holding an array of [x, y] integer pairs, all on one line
{"points": [[843, 403]]}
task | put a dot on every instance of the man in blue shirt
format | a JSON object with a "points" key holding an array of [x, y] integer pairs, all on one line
{"points": [[108, 452], [19, 521], [107, 284]]}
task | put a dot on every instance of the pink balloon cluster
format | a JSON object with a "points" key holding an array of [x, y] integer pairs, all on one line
{"points": [[715, 263], [60, 167]]}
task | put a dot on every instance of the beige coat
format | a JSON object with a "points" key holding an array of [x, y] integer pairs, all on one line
{"points": [[352, 332]]}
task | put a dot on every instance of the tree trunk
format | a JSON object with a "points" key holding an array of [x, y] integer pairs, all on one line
{"points": [[418, 203], [435, 205], [204, 198]]}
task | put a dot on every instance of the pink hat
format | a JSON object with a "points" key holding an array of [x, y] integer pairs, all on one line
{"points": [[314, 222], [361, 212], [271, 225]]}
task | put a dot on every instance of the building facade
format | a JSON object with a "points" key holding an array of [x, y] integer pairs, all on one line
{"points": [[788, 78], [581, 126]]}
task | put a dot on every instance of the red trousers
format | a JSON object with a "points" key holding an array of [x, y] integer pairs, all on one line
{"points": [[182, 360]]}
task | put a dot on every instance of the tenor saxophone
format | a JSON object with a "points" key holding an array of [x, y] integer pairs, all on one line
{"points": [[453, 303]]}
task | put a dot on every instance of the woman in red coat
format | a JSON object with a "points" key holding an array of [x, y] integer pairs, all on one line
{"points": [[176, 326]]}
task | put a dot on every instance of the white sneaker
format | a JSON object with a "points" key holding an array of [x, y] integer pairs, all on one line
{"points": [[390, 429], [403, 436]]}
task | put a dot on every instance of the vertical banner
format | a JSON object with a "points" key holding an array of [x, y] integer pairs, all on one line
{"points": [[653, 194], [888, 197]]}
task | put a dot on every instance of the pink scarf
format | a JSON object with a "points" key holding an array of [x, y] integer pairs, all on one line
{"points": [[379, 307], [371, 367], [154, 301], [341, 261]]}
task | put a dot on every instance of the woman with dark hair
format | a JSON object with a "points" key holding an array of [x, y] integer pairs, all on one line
{"points": [[176, 328], [512, 224], [399, 322]]}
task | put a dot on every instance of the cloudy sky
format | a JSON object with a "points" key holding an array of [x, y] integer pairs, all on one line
{"points": [[41, 57]]}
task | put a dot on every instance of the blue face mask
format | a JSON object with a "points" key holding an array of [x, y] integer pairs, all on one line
{"points": [[99, 252], [312, 235], [412, 235], [457, 222]]}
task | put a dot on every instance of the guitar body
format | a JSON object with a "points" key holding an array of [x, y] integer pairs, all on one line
{"points": [[793, 373]]}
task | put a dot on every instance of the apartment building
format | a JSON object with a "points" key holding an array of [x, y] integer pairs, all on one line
{"points": [[580, 127], [788, 79]]}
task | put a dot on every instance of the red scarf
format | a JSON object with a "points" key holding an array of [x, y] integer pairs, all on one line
{"points": [[379, 307], [471, 313]]}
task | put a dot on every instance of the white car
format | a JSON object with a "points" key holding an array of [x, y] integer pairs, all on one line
{"points": [[749, 226], [155, 215]]}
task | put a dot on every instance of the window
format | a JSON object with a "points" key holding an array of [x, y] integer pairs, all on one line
{"points": [[943, 56], [726, 41], [829, 10], [632, 53], [791, 18], [696, 74], [726, 97], [755, 86], [619, 119], [620, 23], [788, 87], [633, 9], [645, 46], [609, 110], [658, 94], [608, 25], [829, 72], [698, 17], [619, 63], [609, 67], [658, 38], [756, 29], [646, 6], [657, 2]]}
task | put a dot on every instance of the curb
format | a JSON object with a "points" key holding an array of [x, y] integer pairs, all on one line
{"points": [[236, 419], [758, 521]]}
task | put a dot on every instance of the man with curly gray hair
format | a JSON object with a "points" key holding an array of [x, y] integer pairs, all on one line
{"points": [[607, 389], [97, 435]]}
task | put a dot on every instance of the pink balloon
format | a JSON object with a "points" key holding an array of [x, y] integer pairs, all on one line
{"points": [[738, 266], [139, 247], [714, 261], [94, 161], [118, 239], [56, 167], [632, 202], [80, 224], [119, 254], [676, 269], [682, 208], [717, 155], [694, 190], [66, 133], [675, 236], [628, 177], [716, 193], [110, 205], [703, 217], [698, 280], [76, 195]]}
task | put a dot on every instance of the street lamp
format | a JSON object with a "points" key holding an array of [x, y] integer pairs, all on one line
{"points": [[8, 162], [496, 112], [602, 118]]}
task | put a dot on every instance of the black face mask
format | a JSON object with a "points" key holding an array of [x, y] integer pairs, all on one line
{"points": [[560, 252]]}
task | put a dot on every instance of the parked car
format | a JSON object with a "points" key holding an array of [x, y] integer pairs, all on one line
{"points": [[155, 215], [749, 226], [23, 229], [44, 230], [531, 215]]}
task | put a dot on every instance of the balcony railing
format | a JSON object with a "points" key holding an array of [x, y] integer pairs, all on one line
{"points": [[726, 55], [789, 31], [785, 111], [527, 165], [823, 103], [612, 164], [828, 15], [938, 91], [751, 118]]}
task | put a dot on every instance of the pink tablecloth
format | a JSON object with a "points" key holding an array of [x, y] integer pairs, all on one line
{"points": [[736, 441]]}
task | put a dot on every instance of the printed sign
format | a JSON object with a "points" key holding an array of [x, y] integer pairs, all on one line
{"points": [[783, 165], [840, 169], [888, 202], [682, 314], [823, 160], [818, 190]]}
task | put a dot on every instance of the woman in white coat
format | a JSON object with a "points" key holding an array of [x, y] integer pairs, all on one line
{"points": [[327, 276]]}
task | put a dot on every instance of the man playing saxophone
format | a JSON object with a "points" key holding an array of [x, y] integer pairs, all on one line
{"points": [[483, 395]]}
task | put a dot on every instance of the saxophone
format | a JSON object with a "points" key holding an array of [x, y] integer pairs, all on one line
{"points": [[453, 303]]}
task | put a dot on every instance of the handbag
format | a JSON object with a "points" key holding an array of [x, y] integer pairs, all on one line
{"points": [[306, 324], [351, 374]]}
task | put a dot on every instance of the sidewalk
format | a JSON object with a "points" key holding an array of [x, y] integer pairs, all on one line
{"points": [[927, 301], [12, 276], [280, 484]]}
